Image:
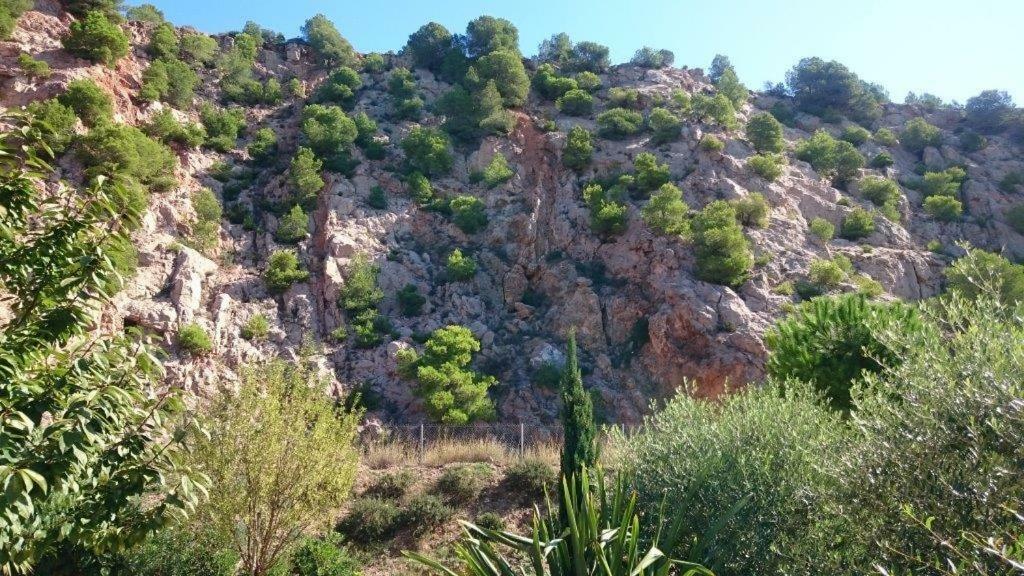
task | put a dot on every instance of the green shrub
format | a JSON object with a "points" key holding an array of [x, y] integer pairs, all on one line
{"points": [[420, 189], [886, 137], [767, 166], [531, 476], [829, 273], [452, 392], [55, 121], [10, 10], [497, 171], [666, 212], [164, 127], [711, 143], [945, 183], [125, 151], [163, 42], [304, 176], [620, 97], [490, 521], [1011, 181], [765, 133], [316, 557], [97, 39], [429, 45], [859, 223], [1015, 218], [192, 338], [340, 87], [757, 505], [370, 520], [717, 109], [882, 160], [619, 123], [505, 68], [468, 213], [328, 43], [880, 191], [855, 135], [607, 210], [392, 485], [32, 67], [222, 126], [426, 150], [729, 85], [327, 130], [834, 159], [424, 513], [283, 270], [181, 551], [579, 149], [263, 148], [460, 268], [549, 84], [649, 174], [929, 473], [410, 301], [170, 80], [918, 135], [980, 272], [206, 228], [647, 57], [971, 141], [829, 88], [377, 198], [723, 253], [990, 112], [360, 291], [752, 210], [90, 102], [256, 327], [822, 229], [463, 483], [664, 126], [588, 81], [576, 103], [197, 48], [293, 226], [943, 208]]}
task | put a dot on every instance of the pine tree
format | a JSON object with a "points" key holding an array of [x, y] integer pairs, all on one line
{"points": [[579, 448]]}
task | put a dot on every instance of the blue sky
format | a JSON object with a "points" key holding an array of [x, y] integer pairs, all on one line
{"points": [[953, 49]]}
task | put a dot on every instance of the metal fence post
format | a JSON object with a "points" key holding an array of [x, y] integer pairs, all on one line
{"points": [[422, 443], [522, 440]]}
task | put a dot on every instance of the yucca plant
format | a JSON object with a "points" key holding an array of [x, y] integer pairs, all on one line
{"points": [[601, 536]]}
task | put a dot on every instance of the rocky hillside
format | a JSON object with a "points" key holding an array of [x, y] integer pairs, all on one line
{"points": [[644, 320]]}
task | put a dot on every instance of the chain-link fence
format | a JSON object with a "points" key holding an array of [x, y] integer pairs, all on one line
{"points": [[513, 440]]}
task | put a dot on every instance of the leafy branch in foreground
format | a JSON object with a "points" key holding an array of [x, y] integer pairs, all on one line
{"points": [[90, 451]]}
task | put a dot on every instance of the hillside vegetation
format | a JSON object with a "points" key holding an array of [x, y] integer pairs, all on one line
{"points": [[230, 264]]}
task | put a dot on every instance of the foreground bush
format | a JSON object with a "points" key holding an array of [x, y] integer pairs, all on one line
{"points": [[765, 133], [84, 436], [619, 123], [272, 480], [936, 467], [699, 452], [579, 149], [283, 270], [125, 151]]}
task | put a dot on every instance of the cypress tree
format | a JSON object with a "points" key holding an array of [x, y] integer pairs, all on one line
{"points": [[579, 448]]}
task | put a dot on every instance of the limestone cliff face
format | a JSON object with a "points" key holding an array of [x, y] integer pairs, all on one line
{"points": [[645, 323]]}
